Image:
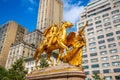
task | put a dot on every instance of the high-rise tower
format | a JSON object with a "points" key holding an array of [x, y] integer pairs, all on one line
{"points": [[102, 54], [10, 33], [50, 11]]}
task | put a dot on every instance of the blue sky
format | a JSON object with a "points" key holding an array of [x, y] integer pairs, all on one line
{"points": [[25, 12]]}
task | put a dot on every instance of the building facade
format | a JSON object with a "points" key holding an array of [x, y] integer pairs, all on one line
{"points": [[10, 33], [24, 49], [34, 38], [102, 54], [17, 51], [50, 12]]}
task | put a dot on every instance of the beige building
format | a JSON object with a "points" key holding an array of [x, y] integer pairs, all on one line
{"points": [[24, 49], [17, 51], [34, 38], [50, 11], [102, 54], [10, 33]]}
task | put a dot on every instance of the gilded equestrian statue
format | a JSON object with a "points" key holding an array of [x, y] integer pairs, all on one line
{"points": [[54, 39]]}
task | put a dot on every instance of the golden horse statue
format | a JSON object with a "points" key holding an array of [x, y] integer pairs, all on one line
{"points": [[58, 41], [74, 56]]}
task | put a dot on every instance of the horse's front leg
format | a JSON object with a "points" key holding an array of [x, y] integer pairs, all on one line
{"points": [[60, 55], [62, 44]]}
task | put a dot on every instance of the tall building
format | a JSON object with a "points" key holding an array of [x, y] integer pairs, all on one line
{"points": [[102, 54], [10, 33], [50, 11]]}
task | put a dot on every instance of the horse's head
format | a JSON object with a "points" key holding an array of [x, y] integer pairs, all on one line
{"points": [[67, 24]]}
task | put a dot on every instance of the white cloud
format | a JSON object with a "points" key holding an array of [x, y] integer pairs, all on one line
{"points": [[72, 12], [30, 9], [29, 5], [32, 1]]}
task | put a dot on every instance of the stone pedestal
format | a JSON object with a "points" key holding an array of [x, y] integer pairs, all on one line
{"points": [[61, 72]]}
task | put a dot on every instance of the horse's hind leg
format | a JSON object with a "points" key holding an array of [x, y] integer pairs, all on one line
{"points": [[37, 59], [48, 58]]}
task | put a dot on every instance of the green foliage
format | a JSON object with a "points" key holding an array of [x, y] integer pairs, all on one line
{"points": [[43, 63], [17, 72], [97, 77], [3, 74]]}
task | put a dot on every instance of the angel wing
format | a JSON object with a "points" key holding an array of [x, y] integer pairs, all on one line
{"points": [[46, 31], [70, 38]]}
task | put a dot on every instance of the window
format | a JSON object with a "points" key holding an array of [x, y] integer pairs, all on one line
{"points": [[115, 57], [101, 36], [85, 61], [109, 28], [117, 63], [105, 64], [91, 33], [103, 52], [118, 37], [106, 19], [102, 47], [118, 32], [117, 4], [90, 29], [117, 25], [90, 24], [113, 51], [117, 78], [99, 26], [97, 18], [108, 77], [91, 39], [111, 45], [104, 58], [95, 66], [115, 11], [93, 54], [84, 51], [110, 39], [101, 42], [106, 71], [92, 44], [97, 22], [94, 60], [105, 15], [84, 56], [107, 24], [109, 34], [93, 49], [90, 20], [81, 24], [87, 73], [96, 71], [116, 21], [116, 70], [116, 16], [99, 31], [86, 67]]}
